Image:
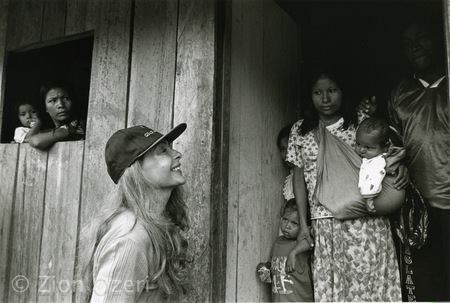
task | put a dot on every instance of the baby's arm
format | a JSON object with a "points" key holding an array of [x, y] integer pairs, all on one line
{"points": [[35, 128]]}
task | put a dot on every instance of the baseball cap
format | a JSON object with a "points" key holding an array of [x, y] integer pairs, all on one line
{"points": [[126, 145]]}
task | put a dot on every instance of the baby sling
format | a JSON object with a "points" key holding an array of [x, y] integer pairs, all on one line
{"points": [[337, 180]]}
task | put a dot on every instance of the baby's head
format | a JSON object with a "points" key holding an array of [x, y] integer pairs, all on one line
{"points": [[372, 138], [27, 113], [290, 224]]}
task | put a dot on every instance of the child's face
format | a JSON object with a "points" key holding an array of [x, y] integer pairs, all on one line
{"points": [[368, 145], [283, 150], [27, 114], [327, 98], [289, 224]]}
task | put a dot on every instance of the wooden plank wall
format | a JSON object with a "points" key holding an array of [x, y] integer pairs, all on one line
{"points": [[9, 155], [263, 99], [3, 30], [153, 63]]}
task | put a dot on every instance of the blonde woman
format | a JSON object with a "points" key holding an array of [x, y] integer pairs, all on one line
{"points": [[133, 248]]}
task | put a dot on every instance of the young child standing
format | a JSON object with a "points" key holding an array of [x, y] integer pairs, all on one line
{"points": [[290, 269], [372, 144], [28, 115]]}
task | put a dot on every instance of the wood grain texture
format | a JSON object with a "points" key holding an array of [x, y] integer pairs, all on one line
{"points": [[250, 151], [25, 19], [108, 99], [81, 16], [262, 101], [4, 4], [54, 19], [153, 64], [108, 96], [9, 154], [27, 225], [59, 234], [220, 153], [194, 100], [237, 61], [279, 101]]}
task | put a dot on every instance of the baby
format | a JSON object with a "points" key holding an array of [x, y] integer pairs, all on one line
{"points": [[289, 270], [28, 115], [372, 144]]}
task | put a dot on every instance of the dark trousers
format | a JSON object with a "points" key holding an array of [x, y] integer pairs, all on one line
{"points": [[431, 263]]}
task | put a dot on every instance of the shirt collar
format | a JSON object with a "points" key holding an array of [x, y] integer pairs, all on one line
{"points": [[427, 85]]}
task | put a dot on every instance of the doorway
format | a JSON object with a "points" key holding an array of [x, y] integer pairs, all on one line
{"points": [[362, 37]]}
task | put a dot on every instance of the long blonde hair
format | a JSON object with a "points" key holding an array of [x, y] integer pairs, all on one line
{"points": [[167, 264]]}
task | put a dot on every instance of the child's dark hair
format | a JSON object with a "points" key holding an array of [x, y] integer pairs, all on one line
{"points": [[289, 206], [373, 124], [333, 72], [284, 132], [24, 102]]}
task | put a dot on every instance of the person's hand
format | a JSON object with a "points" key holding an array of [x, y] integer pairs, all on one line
{"points": [[368, 105], [402, 179], [290, 263], [305, 234], [35, 122], [76, 127]]}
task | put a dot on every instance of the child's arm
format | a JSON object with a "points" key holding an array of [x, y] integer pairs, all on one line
{"points": [[46, 139], [263, 270], [301, 198], [35, 128]]}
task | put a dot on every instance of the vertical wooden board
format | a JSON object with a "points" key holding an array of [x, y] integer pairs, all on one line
{"points": [[27, 225], [3, 30], [279, 94], [81, 16], [25, 19], [153, 64], [59, 235], [54, 19], [107, 100], [194, 100], [108, 95], [8, 169], [220, 153], [236, 63], [250, 153]]}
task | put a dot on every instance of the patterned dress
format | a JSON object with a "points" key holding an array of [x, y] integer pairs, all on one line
{"points": [[354, 260]]}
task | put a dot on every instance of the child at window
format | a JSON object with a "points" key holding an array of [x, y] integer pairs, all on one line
{"points": [[28, 115], [290, 269], [373, 146]]}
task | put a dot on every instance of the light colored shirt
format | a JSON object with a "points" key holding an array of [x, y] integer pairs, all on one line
{"points": [[371, 175], [20, 133], [121, 262]]}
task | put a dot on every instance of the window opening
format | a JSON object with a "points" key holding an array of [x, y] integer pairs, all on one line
{"points": [[66, 62]]}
